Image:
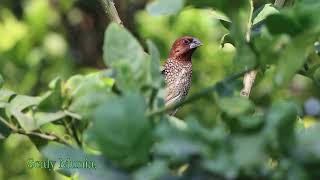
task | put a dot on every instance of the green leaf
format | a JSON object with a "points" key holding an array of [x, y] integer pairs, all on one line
{"points": [[272, 48], [295, 54], [249, 123], [84, 105], [177, 123], [224, 20], [73, 115], [245, 58], [55, 98], [86, 92], [25, 120], [97, 167], [180, 149], [73, 85], [280, 125], [213, 135], [226, 39], [240, 31], [170, 127], [123, 53], [3, 105], [121, 46], [164, 7], [156, 170], [236, 106], [155, 63], [302, 17], [56, 129], [91, 141], [5, 95], [16, 107], [21, 102], [260, 14], [249, 151], [119, 124], [237, 156], [42, 118], [176, 140], [223, 164], [281, 24], [80, 85], [228, 7], [241, 15], [308, 146]]}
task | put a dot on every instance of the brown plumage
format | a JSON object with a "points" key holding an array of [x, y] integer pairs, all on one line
{"points": [[178, 69]]}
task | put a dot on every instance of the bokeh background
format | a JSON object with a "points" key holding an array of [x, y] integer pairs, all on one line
{"points": [[43, 39]]}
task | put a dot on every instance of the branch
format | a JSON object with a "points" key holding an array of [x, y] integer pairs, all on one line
{"points": [[198, 95], [250, 77], [112, 11], [49, 137], [248, 81]]}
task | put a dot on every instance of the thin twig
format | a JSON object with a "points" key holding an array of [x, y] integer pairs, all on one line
{"points": [[10, 126], [112, 11], [50, 137], [248, 81], [198, 95]]}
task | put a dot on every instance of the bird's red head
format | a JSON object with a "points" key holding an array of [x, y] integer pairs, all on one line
{"points": [[183, 48]]}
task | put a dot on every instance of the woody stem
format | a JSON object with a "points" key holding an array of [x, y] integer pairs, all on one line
{"points": [[250, 77], [112, 11]]}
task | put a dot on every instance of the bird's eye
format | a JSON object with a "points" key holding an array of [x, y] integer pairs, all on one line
{"points": [[186, 41]]}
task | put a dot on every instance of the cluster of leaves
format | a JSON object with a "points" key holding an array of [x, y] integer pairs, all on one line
{"points": [[117, 117]]}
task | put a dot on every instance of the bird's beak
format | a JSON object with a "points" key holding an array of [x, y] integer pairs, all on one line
{"points": [[195, 43]]}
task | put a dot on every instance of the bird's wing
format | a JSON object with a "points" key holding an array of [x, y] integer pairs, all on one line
{"points": [[172, 96]]}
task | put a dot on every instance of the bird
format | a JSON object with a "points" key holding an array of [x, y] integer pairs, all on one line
{"points": [[177, 70]]}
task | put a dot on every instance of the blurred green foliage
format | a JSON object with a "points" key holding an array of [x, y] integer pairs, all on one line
{"points": [[33, 48], [112, 116]]}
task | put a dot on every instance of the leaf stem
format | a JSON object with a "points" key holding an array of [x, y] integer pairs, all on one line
{"points": [[198, 95]]}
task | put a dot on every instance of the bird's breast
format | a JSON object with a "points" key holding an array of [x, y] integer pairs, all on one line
{"points": [[178, 77]]}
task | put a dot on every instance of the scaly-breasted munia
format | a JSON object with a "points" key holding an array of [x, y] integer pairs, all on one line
{"points": [[178, 69]]}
